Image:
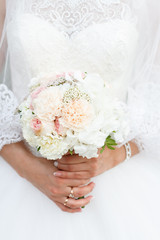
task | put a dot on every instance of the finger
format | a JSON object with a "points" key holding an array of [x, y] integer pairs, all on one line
{"points": [[72, 175], [60, 192], [61, 182], [77, 191], [76, 182], [67, 209], [73, 167], [74, 204], [75, 159], [82, 191]]}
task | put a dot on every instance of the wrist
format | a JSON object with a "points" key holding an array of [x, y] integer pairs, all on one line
{"points": [[121, 153]]}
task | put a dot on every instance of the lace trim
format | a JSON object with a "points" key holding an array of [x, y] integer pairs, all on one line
{"points": [[10, 130], [71, 17]]}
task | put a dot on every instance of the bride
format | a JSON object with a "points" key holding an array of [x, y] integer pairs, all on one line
{"points": [[118, 39]]}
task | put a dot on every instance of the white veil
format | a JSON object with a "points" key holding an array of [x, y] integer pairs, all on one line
{"points": [[144, 91], [144, 86]]}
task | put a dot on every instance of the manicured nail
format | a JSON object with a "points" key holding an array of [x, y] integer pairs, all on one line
{"points": [[55, 163], [57, 174]]}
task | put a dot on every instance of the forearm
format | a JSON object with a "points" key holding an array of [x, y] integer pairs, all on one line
{"points": [[17, 156]]}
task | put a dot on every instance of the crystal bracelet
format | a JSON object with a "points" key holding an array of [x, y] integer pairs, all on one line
{"points": [[128, 151]]}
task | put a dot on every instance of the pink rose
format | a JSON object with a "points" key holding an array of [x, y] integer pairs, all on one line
{"points": [[36, 124]]}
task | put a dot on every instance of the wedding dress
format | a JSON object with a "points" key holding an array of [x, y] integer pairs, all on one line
{"points": [[119, 40]]}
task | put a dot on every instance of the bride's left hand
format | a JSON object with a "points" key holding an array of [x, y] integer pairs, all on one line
{"points": [[76, 167]]}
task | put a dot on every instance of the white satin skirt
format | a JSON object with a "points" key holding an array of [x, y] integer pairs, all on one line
{"points": [[126, 206]]}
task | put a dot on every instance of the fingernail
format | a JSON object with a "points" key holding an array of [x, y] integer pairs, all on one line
{"points": [[57, 174], [55, 163]]}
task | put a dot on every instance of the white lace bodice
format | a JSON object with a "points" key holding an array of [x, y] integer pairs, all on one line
{"points": [[57, 36]]}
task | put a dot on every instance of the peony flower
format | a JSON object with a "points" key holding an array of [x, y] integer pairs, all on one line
{"points": [[77, 114], [48, 104], [36, 124]]}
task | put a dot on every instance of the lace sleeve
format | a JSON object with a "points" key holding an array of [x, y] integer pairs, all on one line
{"points": [[9, 122], [10, 130]]}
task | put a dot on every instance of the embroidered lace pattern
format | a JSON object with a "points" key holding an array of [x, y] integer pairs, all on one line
{"points": [[71, 17], [9, 122]]}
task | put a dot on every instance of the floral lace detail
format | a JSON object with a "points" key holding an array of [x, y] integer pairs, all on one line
{"points": [[71, 17], [9, 122]]}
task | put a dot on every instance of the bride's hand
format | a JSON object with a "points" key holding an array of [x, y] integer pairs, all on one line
{"points": [[40, 171], [75, 167]]}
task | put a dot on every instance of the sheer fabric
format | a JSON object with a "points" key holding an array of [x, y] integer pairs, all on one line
{"points": [[70, 18]]}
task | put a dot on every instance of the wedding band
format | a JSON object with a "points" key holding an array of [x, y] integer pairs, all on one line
{"points": [[66, 201], [71, 195]]}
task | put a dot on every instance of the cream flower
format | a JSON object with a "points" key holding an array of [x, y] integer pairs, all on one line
{"points": [[48, 104], [52, 147], [77, 114]]}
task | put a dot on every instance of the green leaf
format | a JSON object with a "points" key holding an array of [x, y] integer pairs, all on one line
{"points": [[110, 140], [103, 148], [112, 148], [38, 148], [33, 113], [109, 137], [71, 152], [109, 143], [112, 143]]}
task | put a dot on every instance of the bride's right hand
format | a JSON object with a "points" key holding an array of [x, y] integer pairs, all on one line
{"points": [[39, 172]]}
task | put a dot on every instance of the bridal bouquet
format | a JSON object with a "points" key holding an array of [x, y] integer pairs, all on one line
{"points": [[72, 112]]}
